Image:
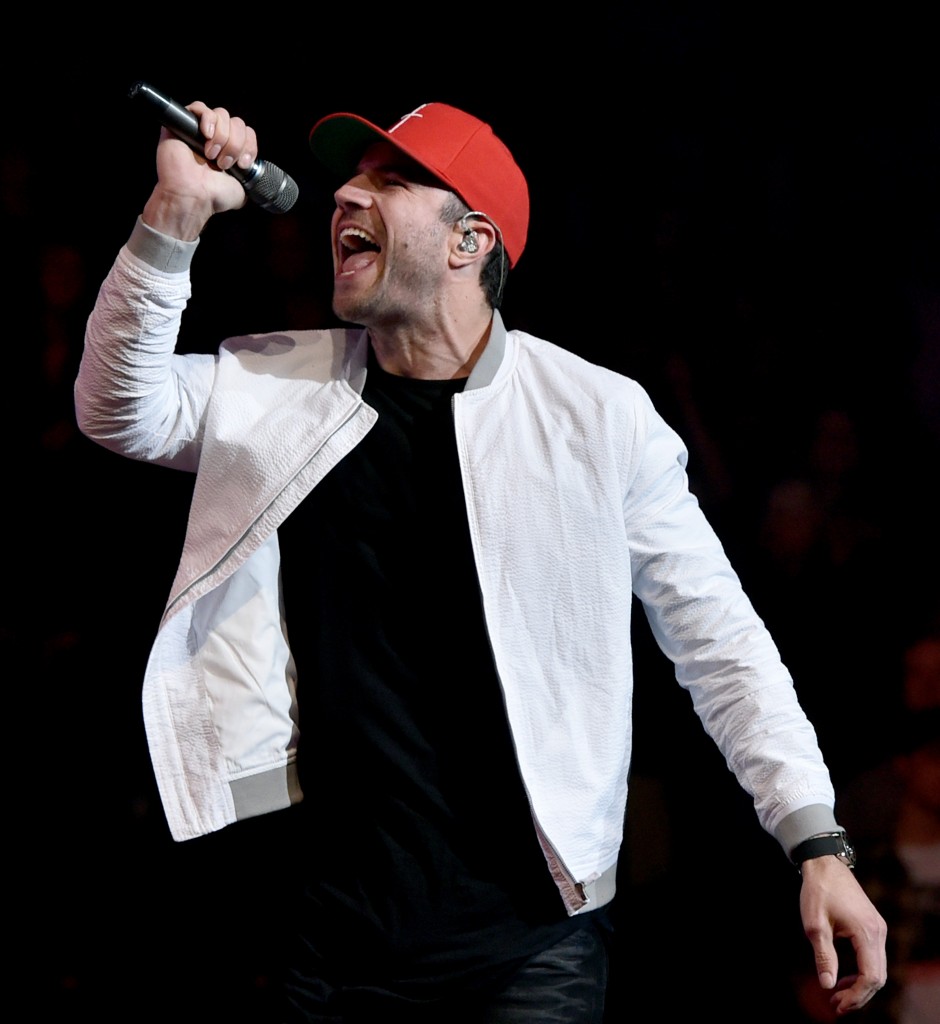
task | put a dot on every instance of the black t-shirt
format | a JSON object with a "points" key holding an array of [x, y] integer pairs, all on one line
{"points": [[422, 864]]}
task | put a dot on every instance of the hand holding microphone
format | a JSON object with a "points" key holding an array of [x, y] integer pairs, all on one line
{"points": [[263, 182]]}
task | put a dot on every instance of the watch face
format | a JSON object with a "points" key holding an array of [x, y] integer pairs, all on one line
{"points": [[849, 851]]}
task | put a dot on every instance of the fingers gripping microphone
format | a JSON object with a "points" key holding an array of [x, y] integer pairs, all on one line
{"points": [[270, 187]]}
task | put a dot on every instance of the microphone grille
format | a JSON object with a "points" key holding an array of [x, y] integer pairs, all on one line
{"points": [[273, 189]]}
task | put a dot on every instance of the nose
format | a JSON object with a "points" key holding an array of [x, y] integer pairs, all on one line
{"points": [[355, 192]]}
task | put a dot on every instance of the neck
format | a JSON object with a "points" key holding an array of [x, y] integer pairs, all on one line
{"points": [[445, 349]]}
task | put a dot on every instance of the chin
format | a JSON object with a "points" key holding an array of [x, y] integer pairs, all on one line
{"points": [[347, 316], [346, 307]]}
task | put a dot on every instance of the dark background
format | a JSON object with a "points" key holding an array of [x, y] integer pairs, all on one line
{"points": [[739, 212]]}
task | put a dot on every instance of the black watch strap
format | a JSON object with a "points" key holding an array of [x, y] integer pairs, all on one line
{"points": [[835, 843]]}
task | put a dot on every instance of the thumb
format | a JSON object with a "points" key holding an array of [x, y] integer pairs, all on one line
{"points": [[827, 960]]}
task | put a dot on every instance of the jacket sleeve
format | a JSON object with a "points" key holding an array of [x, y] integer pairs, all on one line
{"points": [[722, 652], [134, 395]]}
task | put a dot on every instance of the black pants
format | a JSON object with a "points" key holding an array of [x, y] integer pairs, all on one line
{"points": [[564, 984]]}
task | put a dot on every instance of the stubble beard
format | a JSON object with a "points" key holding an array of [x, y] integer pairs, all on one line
{"points": [[408, 286]]}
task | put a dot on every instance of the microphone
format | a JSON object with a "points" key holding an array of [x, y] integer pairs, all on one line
{"points": [[270, 187]]}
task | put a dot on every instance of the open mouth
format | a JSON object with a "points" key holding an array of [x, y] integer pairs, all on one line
{"points": [[357, 249]]}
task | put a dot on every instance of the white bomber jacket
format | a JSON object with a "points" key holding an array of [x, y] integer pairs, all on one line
{"points": [[577, 498]]}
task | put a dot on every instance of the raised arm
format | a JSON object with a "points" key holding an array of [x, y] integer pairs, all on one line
{"points": [[189, 188], [133, 394]]}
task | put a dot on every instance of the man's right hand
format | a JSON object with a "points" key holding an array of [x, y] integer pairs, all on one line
{"points": [[189, 188]]}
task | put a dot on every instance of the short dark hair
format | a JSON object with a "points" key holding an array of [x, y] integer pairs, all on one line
{"points": [[493, 273]]}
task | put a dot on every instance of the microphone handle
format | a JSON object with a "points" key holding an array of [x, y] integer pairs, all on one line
{"points": [[269, 186]]}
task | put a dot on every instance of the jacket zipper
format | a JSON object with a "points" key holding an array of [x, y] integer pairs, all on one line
{"points": [[572, 892]]}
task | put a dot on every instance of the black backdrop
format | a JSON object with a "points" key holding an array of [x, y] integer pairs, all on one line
{"points": [[742, 214]]}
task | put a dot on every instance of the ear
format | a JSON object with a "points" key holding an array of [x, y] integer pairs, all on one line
{"points": [[472, 239]]}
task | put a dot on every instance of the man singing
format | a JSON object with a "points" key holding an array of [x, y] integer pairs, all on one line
{"points": [[403, 607]]}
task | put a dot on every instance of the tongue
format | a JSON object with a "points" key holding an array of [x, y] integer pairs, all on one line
{"points": [[358, 261]]}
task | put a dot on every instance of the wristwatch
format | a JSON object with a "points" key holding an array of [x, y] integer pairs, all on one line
{"points": [[836, 843]]}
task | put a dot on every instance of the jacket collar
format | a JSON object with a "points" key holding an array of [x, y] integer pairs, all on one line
{"points": [[491, 358]]}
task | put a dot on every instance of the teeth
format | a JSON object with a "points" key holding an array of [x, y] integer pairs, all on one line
{"points": [[353, 238]]}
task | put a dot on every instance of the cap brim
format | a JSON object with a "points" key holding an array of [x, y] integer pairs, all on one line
{"points": [[339, 140]]}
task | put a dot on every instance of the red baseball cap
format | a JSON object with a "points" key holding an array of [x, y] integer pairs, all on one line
{"points": [[457, 148]]}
